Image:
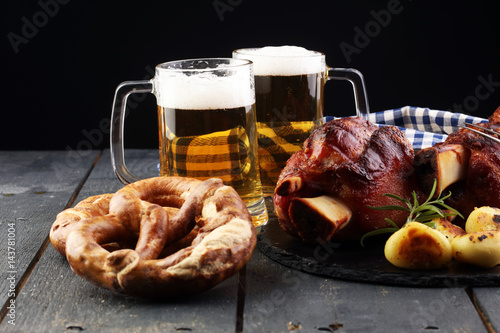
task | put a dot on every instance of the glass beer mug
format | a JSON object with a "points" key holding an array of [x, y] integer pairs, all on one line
{"points": [[207, 126], [289, 87]]}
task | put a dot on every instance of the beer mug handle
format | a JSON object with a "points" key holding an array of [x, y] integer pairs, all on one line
{"points": [[123, 91], [358, 84]]}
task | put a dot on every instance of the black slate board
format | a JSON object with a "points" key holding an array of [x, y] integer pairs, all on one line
{"points": [[363, 264]]}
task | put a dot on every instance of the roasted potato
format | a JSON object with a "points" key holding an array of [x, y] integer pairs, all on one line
{"points": [[448, 229], [417, 246], [483, 219], [479, 248]]}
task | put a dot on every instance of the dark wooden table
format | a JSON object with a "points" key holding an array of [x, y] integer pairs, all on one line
{"points": [[40, 293]]}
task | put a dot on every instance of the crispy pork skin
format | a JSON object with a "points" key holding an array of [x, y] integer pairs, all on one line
{"points": [[352, 162], [479, 181]]}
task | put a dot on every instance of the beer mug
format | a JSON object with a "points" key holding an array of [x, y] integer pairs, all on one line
{"points": [[289, 87], [207, 126]]}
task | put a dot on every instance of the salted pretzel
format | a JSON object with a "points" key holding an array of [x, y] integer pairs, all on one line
{"points": [[188, 236]]}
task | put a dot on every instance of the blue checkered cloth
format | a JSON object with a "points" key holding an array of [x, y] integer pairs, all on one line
{"points": [[422, 126]]}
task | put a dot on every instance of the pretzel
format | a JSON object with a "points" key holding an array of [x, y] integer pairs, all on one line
{"points": [[67, 219], [189, 235]]}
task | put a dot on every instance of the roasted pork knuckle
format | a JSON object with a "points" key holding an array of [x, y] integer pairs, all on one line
{"points": [[345, 166]]}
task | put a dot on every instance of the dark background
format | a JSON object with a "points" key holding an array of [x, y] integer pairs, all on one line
{"points": [[62, 60]]}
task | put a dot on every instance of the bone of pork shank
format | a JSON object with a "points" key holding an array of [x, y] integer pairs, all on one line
{"points": [[467, 164], [344, 166]]}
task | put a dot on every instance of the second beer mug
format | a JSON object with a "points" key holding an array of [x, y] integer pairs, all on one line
{"points": [[289, 85], [207, 127]]}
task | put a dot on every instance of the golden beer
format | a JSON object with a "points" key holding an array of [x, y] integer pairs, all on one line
{"points": [[289, 84], [220, 143], [207, 128], [289, 108]]}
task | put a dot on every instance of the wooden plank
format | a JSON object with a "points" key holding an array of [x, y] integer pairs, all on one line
{"points": [[142, 163], [34, 186], [55, 299], [488, 303], [280, 299]]}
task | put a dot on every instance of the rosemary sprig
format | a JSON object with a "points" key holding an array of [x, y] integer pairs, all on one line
{"points": [[424, 213]]}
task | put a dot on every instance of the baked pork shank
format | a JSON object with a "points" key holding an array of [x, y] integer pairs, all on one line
{"points": [[467, 164], [346, 165]]}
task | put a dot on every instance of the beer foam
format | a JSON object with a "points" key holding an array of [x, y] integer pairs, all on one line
{"points": [[283, 60], [204, 90]]}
